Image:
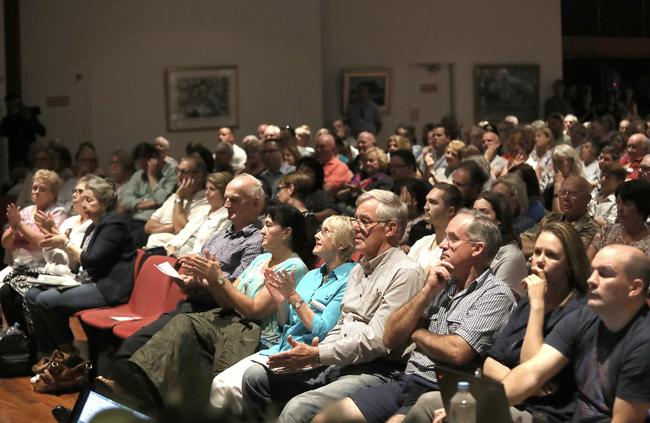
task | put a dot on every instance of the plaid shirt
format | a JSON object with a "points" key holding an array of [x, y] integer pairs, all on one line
{"points": [[234, 252], [477, 314]]}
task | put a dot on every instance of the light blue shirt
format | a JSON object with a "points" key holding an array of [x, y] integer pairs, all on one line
{"points": [[252, 279], [316, 294]]}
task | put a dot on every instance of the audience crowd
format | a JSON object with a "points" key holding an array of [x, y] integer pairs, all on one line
{"points": [[327, 274]]}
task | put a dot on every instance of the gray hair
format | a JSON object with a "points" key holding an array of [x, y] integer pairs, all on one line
{"points": [[252, 186], [390, 207], [103, 190], [484, 230], [517, 188]]}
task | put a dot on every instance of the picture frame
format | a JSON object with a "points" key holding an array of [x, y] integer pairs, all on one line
{"points": [[199, 98], [506, 89], [378, 81]]}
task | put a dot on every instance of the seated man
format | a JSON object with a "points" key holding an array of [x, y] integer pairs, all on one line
{"points": [[574, 206], [608, 342], [638, 145], [162, 145], [234, 248], [188, 201], [466, 307], [470, 179], [443, 203], [275, 164], [147, 189], [336, 172], [352, 356]]}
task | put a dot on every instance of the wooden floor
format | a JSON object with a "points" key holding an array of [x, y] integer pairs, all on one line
{"points": [[19, 404]]}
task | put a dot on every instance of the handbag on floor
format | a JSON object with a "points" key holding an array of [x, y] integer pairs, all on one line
{"points": [[15, 353]]}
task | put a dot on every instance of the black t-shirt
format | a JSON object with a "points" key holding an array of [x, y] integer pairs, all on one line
{"points": [[607, 364], [507, 349]]}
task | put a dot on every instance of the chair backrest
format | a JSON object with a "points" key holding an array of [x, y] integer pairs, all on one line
{"points": [[140, 256], [174, 295], [151, 287]]}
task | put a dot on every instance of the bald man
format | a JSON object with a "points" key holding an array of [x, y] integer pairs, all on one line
{"points": [[336, 172], [574, 197], [638, 145], [608, 343]]}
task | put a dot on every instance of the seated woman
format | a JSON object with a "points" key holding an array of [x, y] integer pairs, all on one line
{"points": [[318, 201], [22, 238], [294, 189], [535, 208], [375, 167], [633, 209], [509, 264], [453, 156], [566, 163], [513, 189], [11, 293], [556, 287], [414, 192], [197, 346], [315, 306], [191, 238], [106, 259]]}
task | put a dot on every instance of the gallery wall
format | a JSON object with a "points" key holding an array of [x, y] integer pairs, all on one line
{"points": [[108, 57], [358, 34]]}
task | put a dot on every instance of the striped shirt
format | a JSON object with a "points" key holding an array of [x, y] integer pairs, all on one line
{"points": [[478, 313]]}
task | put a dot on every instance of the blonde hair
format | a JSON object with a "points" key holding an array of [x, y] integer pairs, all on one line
{"points": [[402, 142], [49, 177], [517, 188], [564, 151], [378, 154], [456, 146], [342, 235]]}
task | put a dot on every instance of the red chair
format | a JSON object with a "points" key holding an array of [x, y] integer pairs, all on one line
{"points": [[124, 330], [148, 299], [137, 265]]}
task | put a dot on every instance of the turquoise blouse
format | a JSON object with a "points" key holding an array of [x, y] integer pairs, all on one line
{"points": [[325, 301], [252, 279]]}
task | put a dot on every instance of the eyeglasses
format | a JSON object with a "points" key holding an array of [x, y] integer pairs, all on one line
{"points": [[365, 223], [454, 242], [571, 195], [281, 187]]}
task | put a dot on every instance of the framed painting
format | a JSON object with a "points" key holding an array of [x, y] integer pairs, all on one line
{"points": [[375, 83], [201, 98], [501, 90]]}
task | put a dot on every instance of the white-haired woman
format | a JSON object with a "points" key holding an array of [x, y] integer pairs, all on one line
{"points": [[315, 305], [23, 236]]}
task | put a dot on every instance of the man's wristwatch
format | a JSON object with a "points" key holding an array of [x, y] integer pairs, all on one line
{"points": [[221, 281], [178, 200]]}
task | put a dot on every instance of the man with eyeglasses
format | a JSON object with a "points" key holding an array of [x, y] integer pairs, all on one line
{"points": [[453, 320], [574, 198], [353, 355], [188, 200]]}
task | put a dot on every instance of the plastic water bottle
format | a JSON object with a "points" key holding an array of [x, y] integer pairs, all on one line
{"points": [[463, 405]]}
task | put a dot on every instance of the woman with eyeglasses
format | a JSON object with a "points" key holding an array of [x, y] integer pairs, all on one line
{"points": [[315, 305], [633, 209], [22, 238]]}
